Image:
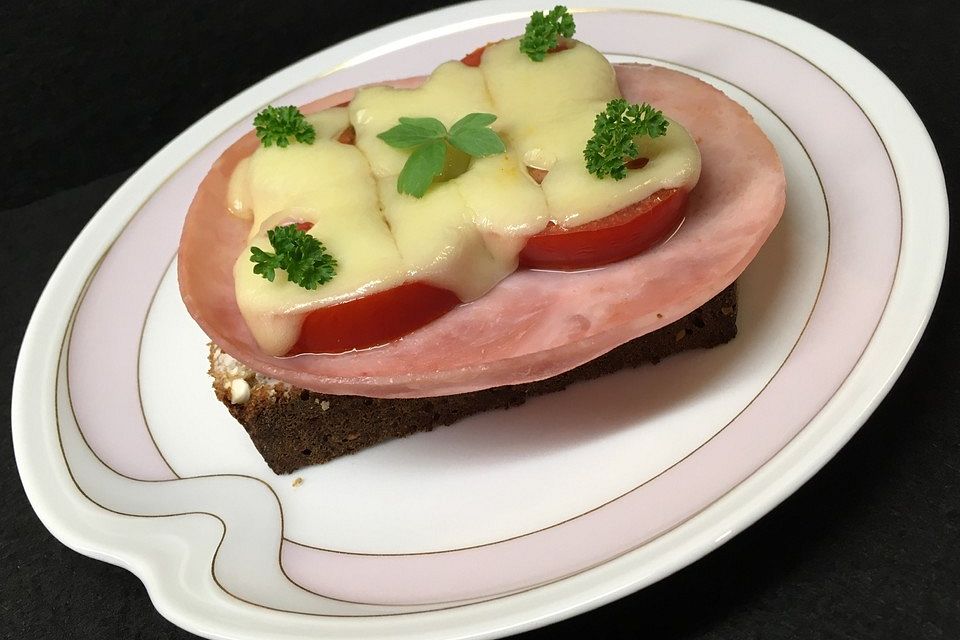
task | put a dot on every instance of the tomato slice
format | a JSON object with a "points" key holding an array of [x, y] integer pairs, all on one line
{"points": [[373, 320], [472, 59], [615, 237], [348, 136]]}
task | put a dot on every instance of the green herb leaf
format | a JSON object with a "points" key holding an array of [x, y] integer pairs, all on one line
{"points": [[615, 130], [276, 125], [472, 121], [412, 132], [429, 140], [478, 142], [423, 165], [267, 263], [543, 32], [430, 126], [302, 256]]}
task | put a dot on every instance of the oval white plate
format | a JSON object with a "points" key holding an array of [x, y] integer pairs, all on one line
{"points": [[512, 519]]}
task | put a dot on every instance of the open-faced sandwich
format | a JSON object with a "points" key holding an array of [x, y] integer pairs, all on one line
{"points": [[390, 259]]}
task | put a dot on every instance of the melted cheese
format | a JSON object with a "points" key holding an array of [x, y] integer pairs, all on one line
{"points": [[265, 181], [440, 244], [452, 91], [527, 92], [576, 197], [465, 234], [330, 185], [367, 261], [502, 197], [551, 134], [323, 175], [329, 123]]}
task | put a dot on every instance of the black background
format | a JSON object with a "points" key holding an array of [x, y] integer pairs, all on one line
{"points": [[867, 549]]}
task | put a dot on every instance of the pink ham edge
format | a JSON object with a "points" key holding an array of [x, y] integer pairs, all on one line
{"points": [[533, 325]]}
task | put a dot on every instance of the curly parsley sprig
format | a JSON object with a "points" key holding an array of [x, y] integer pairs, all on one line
{"points": [[543, 32], [302, 256], [615, 130], [276, 125], [430, 141]]}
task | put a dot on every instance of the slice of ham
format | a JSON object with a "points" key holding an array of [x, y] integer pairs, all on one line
{"points": [[533, 325]]}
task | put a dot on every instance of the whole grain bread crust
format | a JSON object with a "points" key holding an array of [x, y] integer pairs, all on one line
{"points": [[293, 428]]}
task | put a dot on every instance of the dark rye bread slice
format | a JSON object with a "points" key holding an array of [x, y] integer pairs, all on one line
{"points": [[293, 428]]}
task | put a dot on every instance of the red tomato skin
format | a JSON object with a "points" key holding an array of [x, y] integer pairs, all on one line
{"points": [[473, 58], [373, 320], [618, 236], [348, 136]]}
